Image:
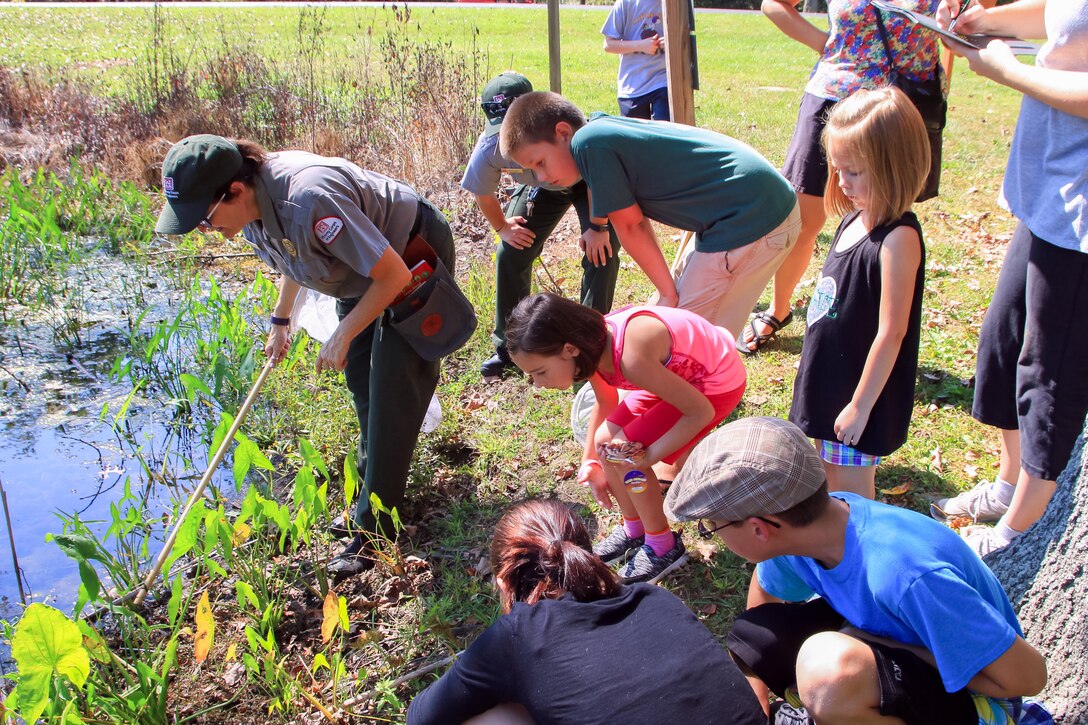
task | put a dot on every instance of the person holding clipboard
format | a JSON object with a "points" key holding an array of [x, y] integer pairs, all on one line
{"points": [[1032, 351], [851, 57]]}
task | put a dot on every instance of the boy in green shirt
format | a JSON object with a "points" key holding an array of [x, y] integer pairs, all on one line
{"points": [[743, 212]]}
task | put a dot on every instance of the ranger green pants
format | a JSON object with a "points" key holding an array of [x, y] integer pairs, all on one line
{"points": [[513, 267], [391, 387]]}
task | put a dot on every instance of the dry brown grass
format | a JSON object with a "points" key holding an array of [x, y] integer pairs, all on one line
{"points": [[405, 109]]}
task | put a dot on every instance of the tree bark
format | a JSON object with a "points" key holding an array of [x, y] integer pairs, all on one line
{"points": [[1043, 572]]}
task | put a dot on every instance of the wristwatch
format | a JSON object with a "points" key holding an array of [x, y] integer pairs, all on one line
{"points": [[281, 321], [598, 227]]}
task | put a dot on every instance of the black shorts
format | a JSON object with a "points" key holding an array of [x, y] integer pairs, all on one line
{"points": [[806, 165], [1036, 382], [766, 640]]}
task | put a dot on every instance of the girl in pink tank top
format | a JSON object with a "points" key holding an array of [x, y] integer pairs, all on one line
{"points": [[686, 377]]}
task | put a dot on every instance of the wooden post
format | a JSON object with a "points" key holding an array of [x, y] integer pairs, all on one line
{"points": [[675, 18], [553, 47]]}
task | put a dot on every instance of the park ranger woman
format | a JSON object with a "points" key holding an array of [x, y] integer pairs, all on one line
{"points": [[327, 225]]}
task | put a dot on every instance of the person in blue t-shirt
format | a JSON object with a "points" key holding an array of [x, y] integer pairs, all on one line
{"points": [[858, 611], [634, 30]]}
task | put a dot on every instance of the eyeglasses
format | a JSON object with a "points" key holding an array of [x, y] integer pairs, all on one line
{"points": [[206, 222], [705, 533]]}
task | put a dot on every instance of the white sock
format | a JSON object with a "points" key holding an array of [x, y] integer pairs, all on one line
{"points": [[1005, 532], [1003, 490]]}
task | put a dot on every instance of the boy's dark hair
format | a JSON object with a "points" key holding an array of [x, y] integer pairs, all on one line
{"points": [[542, 324], [807, 511], [532, 118], [541, 550], [253, 157]]}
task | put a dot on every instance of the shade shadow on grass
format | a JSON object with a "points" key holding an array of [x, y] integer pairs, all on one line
{"points": [[944, 388]]}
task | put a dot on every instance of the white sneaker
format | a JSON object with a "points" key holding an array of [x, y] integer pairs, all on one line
{"points": [[983, 540], [980, 504]]}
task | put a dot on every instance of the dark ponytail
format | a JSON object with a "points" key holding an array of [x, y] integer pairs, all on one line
{"points": [[253, 156], [541, 550]]}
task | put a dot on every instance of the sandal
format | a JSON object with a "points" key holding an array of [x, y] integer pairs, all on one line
{"points": [[773, 325]]}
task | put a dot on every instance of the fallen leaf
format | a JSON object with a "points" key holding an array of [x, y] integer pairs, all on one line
{"points": [[971, 455], [240, 534], [897, 490], [234, 674], [707, 549], [935, 460], [708, 609], [971, 471], [330, 615], [205, 628]]}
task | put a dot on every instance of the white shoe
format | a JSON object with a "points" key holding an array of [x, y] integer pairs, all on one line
{"points": [[979, 504], [983, 540]]}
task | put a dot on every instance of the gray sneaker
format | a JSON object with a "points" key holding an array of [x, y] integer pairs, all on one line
{"points": [[980, 504], [646, 566], [617, 546]]}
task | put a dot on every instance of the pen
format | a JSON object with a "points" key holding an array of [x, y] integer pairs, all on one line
{"points": [[963, 6]]}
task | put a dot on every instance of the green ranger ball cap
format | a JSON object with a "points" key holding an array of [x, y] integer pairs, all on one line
{"points": [[194, 168], [498, 94]]}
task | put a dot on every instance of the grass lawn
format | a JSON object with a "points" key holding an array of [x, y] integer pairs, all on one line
{"points": [[501, 442]]}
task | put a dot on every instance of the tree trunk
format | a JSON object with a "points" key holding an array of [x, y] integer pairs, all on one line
{"points": [[814, 6], [1043, 573]]}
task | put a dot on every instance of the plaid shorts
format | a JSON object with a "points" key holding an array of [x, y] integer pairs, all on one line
{"points": [[842, 455]]}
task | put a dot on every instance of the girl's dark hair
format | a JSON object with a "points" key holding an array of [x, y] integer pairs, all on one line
{"points": [[542, 324], [253, 156], [541, 550]]}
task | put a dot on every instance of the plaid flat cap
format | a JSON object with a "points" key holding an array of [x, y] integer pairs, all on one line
{"points": [[750, 467]]}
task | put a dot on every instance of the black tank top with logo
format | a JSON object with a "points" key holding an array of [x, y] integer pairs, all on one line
{"points": [[843, 317]]}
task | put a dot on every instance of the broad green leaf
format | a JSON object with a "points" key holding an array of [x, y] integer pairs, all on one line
{"points": [[226, 420], [351, 478], [46, 643], [193, 384], [311, 456], [77, 547], [344, 624], [173, 606], [246, 594], [320, 661]]}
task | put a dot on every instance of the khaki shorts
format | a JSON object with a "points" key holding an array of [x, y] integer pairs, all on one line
{"points": [[723, 287]]}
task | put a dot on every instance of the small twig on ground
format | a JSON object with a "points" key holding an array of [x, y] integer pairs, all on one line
{"points": [[426, 670], [15, 378], [555, 285]]}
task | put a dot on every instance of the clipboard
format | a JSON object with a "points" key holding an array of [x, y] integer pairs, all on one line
{"points": [[978, 42]]}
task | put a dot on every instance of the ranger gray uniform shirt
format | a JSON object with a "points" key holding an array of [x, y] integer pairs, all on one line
{"points": [[325, 222], [486, 166]]}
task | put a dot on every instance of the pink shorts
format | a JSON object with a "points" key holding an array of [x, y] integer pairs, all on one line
{"points": [[644, 417]]}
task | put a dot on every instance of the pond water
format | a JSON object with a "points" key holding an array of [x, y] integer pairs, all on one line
{"points": [[58, 453]]}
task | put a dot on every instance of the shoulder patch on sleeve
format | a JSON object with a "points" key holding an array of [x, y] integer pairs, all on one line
{"points": [[328, 228]]}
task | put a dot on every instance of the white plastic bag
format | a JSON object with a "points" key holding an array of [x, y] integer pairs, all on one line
{"points": [[433, 419], [316, 314]]}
